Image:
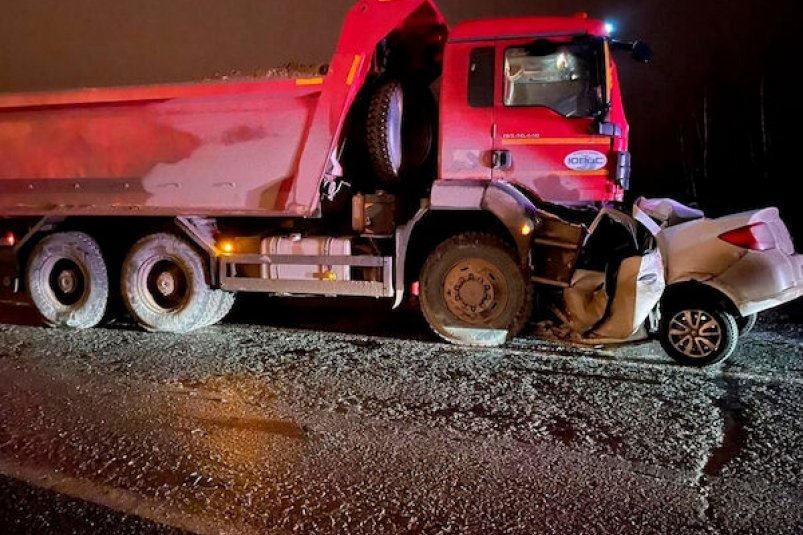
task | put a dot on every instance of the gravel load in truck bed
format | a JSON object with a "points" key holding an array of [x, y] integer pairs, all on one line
{"points": [[282, 72]]}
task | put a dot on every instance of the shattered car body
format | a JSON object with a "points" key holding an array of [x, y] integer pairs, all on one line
{"points": [[695, 282], [619, 280], [748, 257]]}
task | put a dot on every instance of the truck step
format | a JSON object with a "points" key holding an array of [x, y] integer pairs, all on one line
{"points": [[233, 279]]}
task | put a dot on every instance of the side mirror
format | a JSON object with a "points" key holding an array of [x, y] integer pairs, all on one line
{"points": [[642, 52]]}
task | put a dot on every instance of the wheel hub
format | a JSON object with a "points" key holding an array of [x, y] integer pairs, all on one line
{"points": [[474, 290], [166, 283], [695, 333], [67, 281]]}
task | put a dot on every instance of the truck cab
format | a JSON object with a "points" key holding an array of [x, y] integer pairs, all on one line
{"points": [[535, 102]]}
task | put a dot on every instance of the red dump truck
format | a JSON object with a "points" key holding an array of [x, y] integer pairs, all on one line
{"points": [[464, 164]]}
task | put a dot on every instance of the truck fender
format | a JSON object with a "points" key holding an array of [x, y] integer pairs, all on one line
{"points": [[512, 208], [500, 198]]}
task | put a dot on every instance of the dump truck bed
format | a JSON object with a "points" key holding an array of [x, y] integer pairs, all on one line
{"points": [[204, 148], [257, 147]]}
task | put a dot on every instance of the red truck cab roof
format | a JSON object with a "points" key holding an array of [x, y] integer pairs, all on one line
{"points": [[516, 28]]}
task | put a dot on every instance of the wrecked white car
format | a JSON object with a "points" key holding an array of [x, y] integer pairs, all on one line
{"points": [[720, 273], [668, 271]]}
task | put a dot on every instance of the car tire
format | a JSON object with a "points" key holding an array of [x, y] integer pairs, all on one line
{"points": [[67, 280], [164, 285], [746, 323], [698, 334], [473, 292]]}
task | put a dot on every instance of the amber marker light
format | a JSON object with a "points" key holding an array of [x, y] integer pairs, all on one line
{"points": [[226, 246], [527, 229]]}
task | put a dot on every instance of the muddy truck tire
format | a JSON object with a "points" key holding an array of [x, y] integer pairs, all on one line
{"points": [[164, 285], [473, 291], [68, 281], [219, 306]]}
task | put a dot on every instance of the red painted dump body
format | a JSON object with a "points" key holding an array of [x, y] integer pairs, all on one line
{"points": [[226, 148], [230, 147]]}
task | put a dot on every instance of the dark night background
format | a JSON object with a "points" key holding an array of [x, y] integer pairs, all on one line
{"points": [[712, 117]]}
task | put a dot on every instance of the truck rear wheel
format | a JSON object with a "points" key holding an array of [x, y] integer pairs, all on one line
{"points": [[473, 291], [164, 285], [68, 281], [400, 130]]}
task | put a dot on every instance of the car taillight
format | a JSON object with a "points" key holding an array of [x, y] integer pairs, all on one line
{"points": [[8, 240], [757, 237]]}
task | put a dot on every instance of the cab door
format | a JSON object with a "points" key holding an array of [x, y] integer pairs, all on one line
{"points": [[548, 95], [467, 111]]}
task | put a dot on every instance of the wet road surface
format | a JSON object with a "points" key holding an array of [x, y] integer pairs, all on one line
{"points": [[325, 419]]}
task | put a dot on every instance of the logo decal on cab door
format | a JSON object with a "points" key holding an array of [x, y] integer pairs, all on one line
{"points": [[586, 160]]}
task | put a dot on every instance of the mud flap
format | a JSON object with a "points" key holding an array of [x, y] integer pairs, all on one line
{"points": [[9, 274]]}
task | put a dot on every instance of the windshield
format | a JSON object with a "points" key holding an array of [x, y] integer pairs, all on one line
{"points": [[563, 77]]}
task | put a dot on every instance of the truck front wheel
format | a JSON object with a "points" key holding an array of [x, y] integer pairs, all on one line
{"points": [[473, 291], [68, 281], [164, 285]]}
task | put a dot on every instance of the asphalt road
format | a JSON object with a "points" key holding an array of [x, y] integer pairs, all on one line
{"points": [[320, 418]]}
